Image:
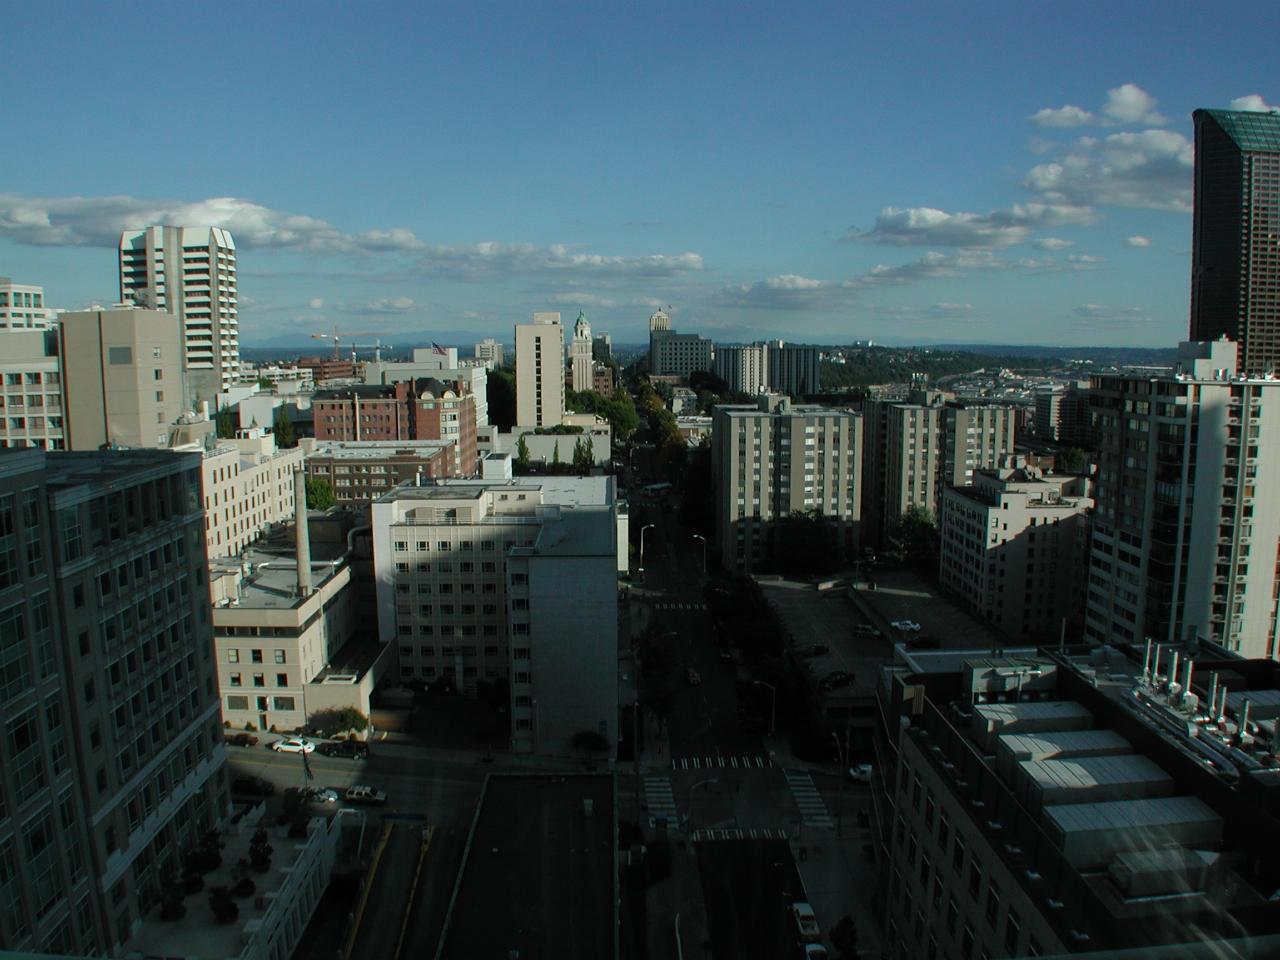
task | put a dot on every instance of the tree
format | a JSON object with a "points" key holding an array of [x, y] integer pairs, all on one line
{"points": [[226, 423], [319, 494], [583, 456], [286, 435], [803, 544], [522, 454], [555, 453], [1070, 460], [333, 720], [914, 541], [844, 936]]}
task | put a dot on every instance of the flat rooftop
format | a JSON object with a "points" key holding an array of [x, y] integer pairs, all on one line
{"points": [[901, 595], [377, 449], [565, 491], [539, 874], [586, 531], [272, 583]]}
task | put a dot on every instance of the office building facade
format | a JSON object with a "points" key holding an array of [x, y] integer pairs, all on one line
{"points": [[22, 307], [31, 396], [540, 371], [113, 761], [1185, 532], [191, 273], [774, 459], [1235, 243]]}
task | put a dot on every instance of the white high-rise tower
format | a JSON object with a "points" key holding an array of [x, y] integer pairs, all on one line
{"points": [[190, 272], [580, 354], [540, 371]]}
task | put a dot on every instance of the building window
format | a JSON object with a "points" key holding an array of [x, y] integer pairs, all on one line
{"points": [[255, 656], [235, 680], [233, 655], [282, 703], [259, 680], [237, 703], [282, 679], [279, 656]]}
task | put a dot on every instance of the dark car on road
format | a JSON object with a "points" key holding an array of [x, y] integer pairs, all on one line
{"points": [[344, 748], [833, 681], [252, 786], [242, 740]]}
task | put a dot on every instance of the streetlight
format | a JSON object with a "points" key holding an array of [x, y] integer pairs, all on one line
{"points": [[698, 536], [647, 526], [700, 783], [773, 702]]}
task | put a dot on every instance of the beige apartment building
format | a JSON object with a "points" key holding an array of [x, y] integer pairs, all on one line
{"points": [[777, 458], [1014, 548], [247, 484], [540, 371], [122, 377], [30, 390], [916, 449], [22, 307]]}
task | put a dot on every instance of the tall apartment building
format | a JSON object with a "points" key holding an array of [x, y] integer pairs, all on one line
{"points": [[488, 353], [1185, 532], [489, 580], [793, 370], [247, 486], [421, 409], [1235, 242], [540, 371], [1014, 548], [122, 376], [777, 458], [1047, 415], [31, 396], [190, 272], [745, 369], [915, 449], [602, 347], [112, 762], [1076, 803], [581, 364], [22, 307]]}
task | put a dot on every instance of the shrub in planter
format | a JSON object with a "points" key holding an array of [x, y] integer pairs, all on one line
{"points": [[171, 905], [245, 888], [225, 909], [192, 882], [260, 852], [250, 727]]}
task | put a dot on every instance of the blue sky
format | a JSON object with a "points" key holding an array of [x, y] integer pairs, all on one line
{"points": [[911, 172]]}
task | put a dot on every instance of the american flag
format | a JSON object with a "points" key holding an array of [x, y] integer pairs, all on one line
{"points": [[439, 349]]}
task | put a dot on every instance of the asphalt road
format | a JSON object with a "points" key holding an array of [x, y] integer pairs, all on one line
{"points": [[749, 886]]}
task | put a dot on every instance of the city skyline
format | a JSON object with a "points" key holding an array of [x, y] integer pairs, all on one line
{"points": [[906, 175]]}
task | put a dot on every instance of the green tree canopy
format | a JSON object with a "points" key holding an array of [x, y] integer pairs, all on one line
{"points": [[501, 387], [319, 494], [225, 423], [522, 453], [286, 435]]}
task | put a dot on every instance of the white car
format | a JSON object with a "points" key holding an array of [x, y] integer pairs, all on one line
{"points": [[293, 745], [806, 922], [906, 626], [860, 773], [322, 795]]}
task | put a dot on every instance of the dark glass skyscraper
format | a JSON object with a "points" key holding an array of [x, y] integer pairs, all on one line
{"points": [[1235, 252]]}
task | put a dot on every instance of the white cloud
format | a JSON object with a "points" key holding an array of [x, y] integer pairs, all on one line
{"points": [[1129, 103], [481, 260], [316, 303], [1252, 103], [926, 226], [390, 305], [98, 222], [578, 298], [1103, 315], [1149, 169], [1051, 243], [1067, 116], [1138, 241], [787, 291]]}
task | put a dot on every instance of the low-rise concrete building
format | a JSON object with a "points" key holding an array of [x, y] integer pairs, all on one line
{"points": [[360, 472], [30, 390]]}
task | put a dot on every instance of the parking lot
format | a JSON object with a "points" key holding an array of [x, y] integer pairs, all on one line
{"points": [[901, 595]]}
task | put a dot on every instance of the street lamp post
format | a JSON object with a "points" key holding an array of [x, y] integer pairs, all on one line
{"points": [[647, 526], [773, 703], [698, 536]]}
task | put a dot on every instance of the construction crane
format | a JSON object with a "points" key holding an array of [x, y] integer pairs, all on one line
{"points": [[337, 339], [377, 347]]}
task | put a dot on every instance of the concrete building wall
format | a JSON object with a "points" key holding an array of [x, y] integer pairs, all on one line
{"points": [[540, 371], [122, 377], [679, 354], [744, 369], [247, 484], [794, 370], [22, 307], [489, 353], [31, 414]]}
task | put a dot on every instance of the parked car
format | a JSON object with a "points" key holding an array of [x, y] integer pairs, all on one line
{"points": [[860, 773], [354, 749], [806, 922], [311, 795], [906, 626], [693, 676], [293, 745], [242, 740], [866, 629], [252, 786], [833, 681], [366, 796]]}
